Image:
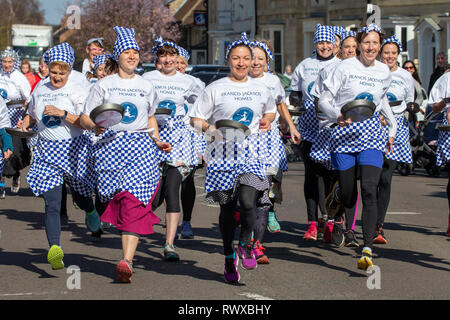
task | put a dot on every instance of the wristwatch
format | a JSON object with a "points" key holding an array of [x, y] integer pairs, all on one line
{"points": [[65, 115]]}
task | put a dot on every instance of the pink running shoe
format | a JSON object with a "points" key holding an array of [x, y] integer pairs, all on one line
{"points": [[248, 257], [328, 231], [311, 234]]}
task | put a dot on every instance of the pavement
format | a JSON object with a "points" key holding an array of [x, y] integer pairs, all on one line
{"points": [[415, 263]]}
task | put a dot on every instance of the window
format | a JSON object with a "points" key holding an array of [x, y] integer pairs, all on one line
{"points": [[404, 39], [275, 36]]}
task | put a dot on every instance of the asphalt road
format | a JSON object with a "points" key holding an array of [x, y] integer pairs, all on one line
{"points": [[415, 263]]}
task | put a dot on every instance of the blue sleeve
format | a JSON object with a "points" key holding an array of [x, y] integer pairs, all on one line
{"points": [[7, 140]]}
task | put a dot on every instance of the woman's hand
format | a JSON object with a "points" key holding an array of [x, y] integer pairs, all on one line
{"points": [[164, 146], [296, 137], [383, 121], [99, 130], [19, 124], [53, 111], [7, 154], [390, 145], [264, 124], [343, 122]]}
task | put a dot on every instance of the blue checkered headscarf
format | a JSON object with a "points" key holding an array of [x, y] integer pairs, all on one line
{"points": [[184, 53], [262, 45], [159, 43], [99, 60], [393, 39], [338, 30], [347, 34], [369, 28], [243, 40], [125, 40], [62, 52], [14, 56], [324, 34]]}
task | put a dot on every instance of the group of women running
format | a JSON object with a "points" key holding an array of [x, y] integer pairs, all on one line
{"points": [[171, 123]]}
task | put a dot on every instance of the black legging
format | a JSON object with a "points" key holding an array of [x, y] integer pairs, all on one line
{"points": [[227, 219], [448, 187], [384, 189], [370, 176], [169, 190], [188, 194], [310, 186]]}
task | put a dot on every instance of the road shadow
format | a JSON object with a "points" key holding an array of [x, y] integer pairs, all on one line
{"points": [[34, 220]]}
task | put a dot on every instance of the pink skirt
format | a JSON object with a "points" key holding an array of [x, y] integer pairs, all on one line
{"points": [[128, 214]]}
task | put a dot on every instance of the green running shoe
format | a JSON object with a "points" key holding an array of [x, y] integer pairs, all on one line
{"points": [[55, 257], [273, 226]]}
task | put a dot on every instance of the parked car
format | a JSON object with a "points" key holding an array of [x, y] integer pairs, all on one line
{"points": [[209, 68]]}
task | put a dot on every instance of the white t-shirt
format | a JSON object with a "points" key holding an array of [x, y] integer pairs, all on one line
{"points": [[323, 74], [440, 90], [273, 83], [71, 98], [86, 67], [74, 77], [174, 92], [14, 86], [401, 88], [137, 95], [5, 121], [245, 102], [306, 73]]}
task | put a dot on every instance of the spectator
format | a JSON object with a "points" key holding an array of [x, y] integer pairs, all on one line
{"points": [[94, 47], [41, 73], [288, 71], [441, 61], [419, 94], [28, 72]]}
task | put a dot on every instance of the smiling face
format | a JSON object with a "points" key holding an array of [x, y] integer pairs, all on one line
{"points": [[100, 72], [325, 49], [181, 64], [259, 63], [94, 49], [349, 47], [8, 64], [128, 60], [370, 47], [389, 55], [239, 61], [409, 67], [168, 62], [59, 74]]}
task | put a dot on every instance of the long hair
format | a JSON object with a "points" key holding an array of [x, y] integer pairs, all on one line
{"points": [[415, 74]]}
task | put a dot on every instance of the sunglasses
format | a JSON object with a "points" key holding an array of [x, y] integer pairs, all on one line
{"points": [[408, 68]]}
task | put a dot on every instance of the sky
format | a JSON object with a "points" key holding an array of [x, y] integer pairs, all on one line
{"points": [[54, 10]]}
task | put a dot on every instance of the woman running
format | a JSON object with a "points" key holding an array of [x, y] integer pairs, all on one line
{"points": [[303, 80], [99, 69], [15, 89], [174, 90], [359, 144], [5, 139], [235, 172], [400, 93], [440, 101], [55, 108], [188, 192], [124, 165], [276, 161]]}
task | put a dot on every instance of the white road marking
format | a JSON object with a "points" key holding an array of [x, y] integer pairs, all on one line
{"points": [[405, 213], [254, 296]]}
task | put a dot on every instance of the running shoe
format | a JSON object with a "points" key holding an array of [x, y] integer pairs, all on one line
{"points": [[2, 190], [124, 271], [273, 226], [337, 236], [379, 237], [333, 202], [350, 239], [55, 257], [170, 253], [260, 257], [231, 272], [248, 258], [328, 231], [321, 227], [15, 186], [366, 259], [311, 234], [93, 221], [186, 230]]}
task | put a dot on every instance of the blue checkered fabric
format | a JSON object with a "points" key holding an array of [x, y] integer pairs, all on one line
{"points": [[262, 45], [174, 131], [199, 144], [276, 154], [369, 28], [100, 59], [308, 124], [393, 39], [2, 163], [227, 160], [124, 161], [402, 146], [324, 34], [15, 114], [338, 30], [159, 42], [320, 149], [346, 34], [443, 146], [243, 40], [55, 162], [14, 56], [184, 53], [125, 40], [62, 52], [358, 136]]}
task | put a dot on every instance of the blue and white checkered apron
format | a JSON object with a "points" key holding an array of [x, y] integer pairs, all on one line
{"points": [[122, 161], [443, 146], [227, 160], [15, 114], [55, 162], [358, 136], [174, 131], [308, 124], [320, 149], [2, 163], [276, 154], [402, 146], [199, 142]]}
